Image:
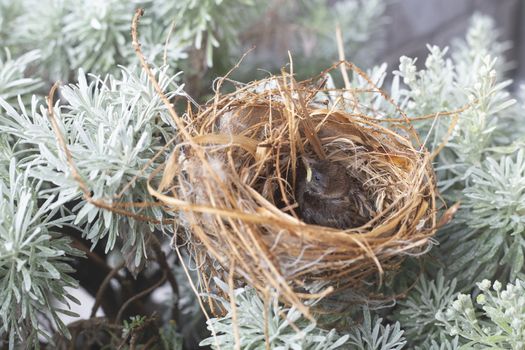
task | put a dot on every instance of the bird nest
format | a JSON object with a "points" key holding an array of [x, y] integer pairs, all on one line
{"points": [[234, 174]]}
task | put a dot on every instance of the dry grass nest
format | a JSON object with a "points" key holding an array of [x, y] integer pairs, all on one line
{"points": [[232, 175]]}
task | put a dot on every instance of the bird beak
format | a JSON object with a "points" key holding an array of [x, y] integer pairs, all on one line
{"points": [[306, 163], [308, 174]]}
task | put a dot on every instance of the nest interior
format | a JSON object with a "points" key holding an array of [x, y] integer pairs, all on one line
{"points": [[232, 178]]}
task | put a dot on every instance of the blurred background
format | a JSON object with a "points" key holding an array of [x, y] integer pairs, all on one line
{"points": [[413, 24], [405, 28]]}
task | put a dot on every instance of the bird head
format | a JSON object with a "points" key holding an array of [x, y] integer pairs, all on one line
{"points": [[325, 179]]}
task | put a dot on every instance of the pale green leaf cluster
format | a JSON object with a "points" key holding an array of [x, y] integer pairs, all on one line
{"points": [[73, 34], [13, 82], [34, 261], [287, 328], [206, 24], [482, 38], [6, 153], [96, 32], [114, 128], [417, 311], [9, 10], [513, 124], [496, 196], [431, 89], [443, 343], [489, 234], [95, 35], [435, 90], [444, 81], [39, 26], [495, 321], [373, 335]]}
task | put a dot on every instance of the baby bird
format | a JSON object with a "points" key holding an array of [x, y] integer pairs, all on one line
{"points": [[328, 196]]}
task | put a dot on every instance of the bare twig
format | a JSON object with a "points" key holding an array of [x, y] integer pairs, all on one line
{"points": [[138, 296], [91, 255], [163, 263], [136, 45], [103, 286], [62, 141], [149, 343]]}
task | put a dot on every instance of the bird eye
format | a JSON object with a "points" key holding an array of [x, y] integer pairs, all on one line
{"points": [[317, 177]]}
